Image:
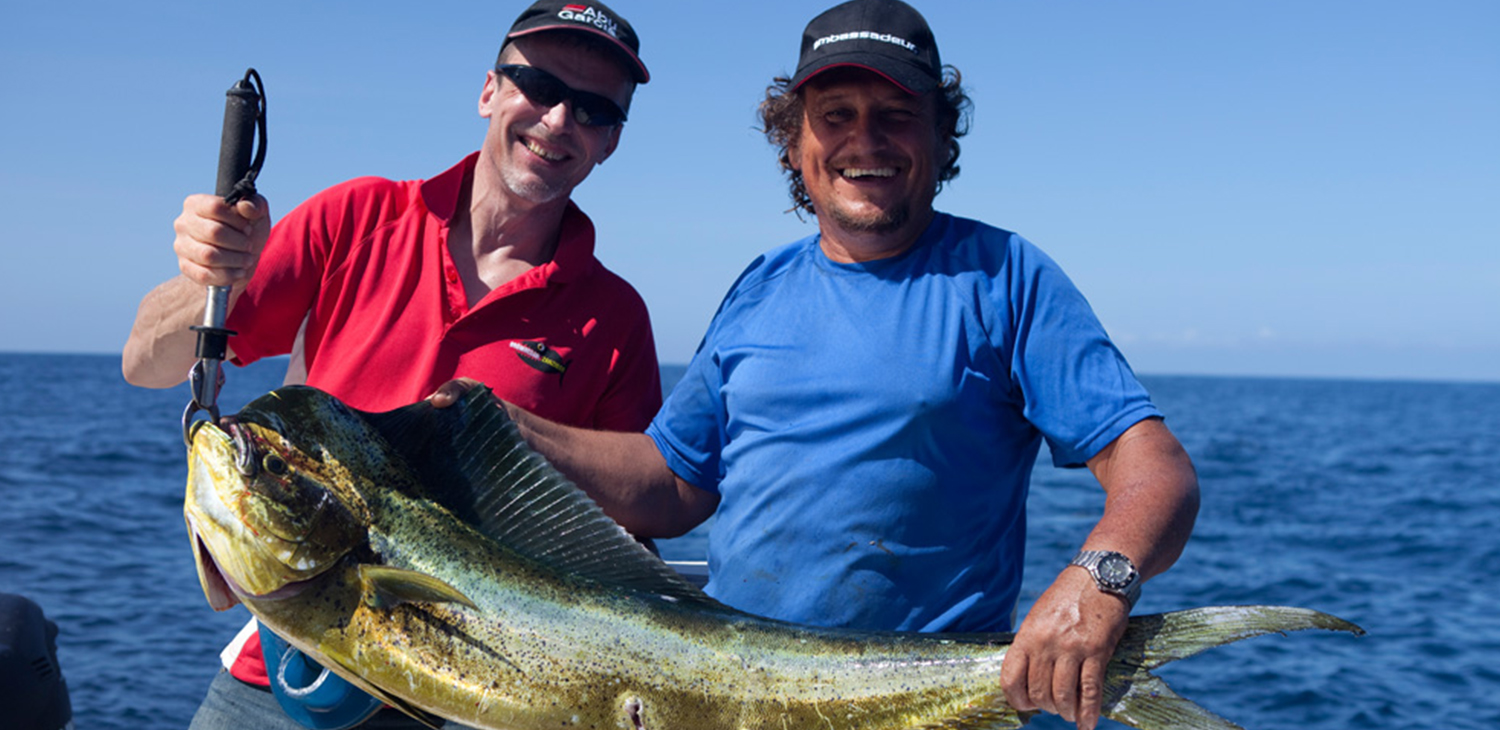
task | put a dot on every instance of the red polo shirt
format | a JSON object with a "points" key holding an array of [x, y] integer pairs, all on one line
{"points": [[367, 265]]}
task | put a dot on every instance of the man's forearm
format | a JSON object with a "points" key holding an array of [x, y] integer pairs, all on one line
{"points": [[1057, 660], [162, 348], [1151, 498], [623, 472]]}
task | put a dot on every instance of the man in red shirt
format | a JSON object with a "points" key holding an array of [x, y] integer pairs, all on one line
{"points": [[384, 290]]}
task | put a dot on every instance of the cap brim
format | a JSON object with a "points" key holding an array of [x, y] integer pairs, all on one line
{"points": [[908, 78], [638, 69]]}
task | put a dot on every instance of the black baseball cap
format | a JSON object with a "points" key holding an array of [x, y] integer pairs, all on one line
{"points": [[888, 37], [590, 16]]}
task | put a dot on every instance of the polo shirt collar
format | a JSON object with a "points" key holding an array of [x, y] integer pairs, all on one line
{"points": [[574, 257]]}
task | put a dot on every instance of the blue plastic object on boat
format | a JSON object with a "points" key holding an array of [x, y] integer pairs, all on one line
{"points": [[310, 694]]}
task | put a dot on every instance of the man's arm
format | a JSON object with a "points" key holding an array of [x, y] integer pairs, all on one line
{"points": [[623, 472], [1151, 501], [161, 349], [216, 245]]}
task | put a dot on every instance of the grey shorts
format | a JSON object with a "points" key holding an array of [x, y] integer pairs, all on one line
{"points": [[235, 705]]}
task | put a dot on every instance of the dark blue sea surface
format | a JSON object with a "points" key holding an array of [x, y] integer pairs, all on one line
{"points": [[1375, 501]]}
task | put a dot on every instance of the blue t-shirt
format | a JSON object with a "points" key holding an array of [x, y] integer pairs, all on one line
{"points": [[871, 428]]}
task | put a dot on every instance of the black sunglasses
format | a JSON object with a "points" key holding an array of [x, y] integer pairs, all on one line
{"points": [[543, 88]]}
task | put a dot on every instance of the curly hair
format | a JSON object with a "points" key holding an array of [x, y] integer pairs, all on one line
{"points": [[781, 120]]}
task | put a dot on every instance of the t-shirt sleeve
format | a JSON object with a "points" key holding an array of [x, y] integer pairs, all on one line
{"points": [[1076, 386], [691, 430]]}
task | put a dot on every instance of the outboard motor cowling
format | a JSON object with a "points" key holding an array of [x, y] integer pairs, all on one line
{"points": [[32, 690]]}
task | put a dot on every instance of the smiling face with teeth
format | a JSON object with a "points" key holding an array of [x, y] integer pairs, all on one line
{"points": [[541, 153], [869, 154]]}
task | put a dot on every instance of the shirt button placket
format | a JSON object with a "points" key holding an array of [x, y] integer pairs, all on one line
{"points": [[455, 296]]}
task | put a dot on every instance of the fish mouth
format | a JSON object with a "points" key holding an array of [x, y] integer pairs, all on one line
{"points": [[221, 591]]}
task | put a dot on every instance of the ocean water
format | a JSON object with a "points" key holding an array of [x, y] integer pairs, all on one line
{"points": [[1375, 501]]}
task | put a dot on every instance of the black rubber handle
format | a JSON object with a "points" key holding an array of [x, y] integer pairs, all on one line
{"points": [[241, 107]]}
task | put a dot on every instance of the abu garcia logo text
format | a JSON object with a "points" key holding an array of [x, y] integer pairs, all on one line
{"points": [[590, 16]]}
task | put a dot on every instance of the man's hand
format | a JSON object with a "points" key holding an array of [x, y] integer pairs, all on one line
{"points": [[452, 392], [1057, 661], [622, 471], [218, 244]]}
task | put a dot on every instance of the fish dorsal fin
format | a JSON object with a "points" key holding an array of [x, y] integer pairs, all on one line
{"points": [[470, 458]]}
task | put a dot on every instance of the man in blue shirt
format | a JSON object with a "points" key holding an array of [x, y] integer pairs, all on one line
{"points": [[864, 412]]}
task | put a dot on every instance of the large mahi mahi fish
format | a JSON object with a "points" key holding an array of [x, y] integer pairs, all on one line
{"points": [[432, 559]]}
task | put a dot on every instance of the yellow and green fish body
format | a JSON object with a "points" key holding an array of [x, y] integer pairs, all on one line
{"points": [[430, 558]]}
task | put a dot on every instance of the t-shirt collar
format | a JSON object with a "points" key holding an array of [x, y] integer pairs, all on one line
{"points": [[935, 230]]}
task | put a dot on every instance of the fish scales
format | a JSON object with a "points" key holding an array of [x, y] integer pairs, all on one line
{"points": [[430, 558], [547, 630]]}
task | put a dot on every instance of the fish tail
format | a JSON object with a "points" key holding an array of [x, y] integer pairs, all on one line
{"points": [[1135, 697]]}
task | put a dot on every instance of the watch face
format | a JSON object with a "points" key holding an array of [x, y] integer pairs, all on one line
{"points": [[1115, 571]]}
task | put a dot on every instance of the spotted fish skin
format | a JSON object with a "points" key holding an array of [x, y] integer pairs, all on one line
{"points": [[432, 559]]}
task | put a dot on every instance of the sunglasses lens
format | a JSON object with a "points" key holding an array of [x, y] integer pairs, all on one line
{"points": [[538, 86], [596, 110], [548, 90]]}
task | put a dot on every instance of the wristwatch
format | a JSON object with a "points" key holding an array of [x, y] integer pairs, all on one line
{"points": [[1113, 573]]}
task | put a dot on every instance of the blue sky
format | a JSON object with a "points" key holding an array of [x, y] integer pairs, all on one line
{"points": [[1281, 188]]}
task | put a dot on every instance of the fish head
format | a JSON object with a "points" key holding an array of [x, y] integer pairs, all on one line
{"points": [[271, 499]]}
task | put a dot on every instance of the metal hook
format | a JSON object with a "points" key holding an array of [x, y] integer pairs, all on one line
{"points": [[189, 425]]}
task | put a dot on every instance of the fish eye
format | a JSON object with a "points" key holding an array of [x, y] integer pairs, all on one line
{"points": [[275, 465]]}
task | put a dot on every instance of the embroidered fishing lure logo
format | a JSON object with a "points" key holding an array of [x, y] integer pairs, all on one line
{"points": [[540, 357]]}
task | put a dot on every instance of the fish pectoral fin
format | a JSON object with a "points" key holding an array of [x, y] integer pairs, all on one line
{"points": [[385, 587]]}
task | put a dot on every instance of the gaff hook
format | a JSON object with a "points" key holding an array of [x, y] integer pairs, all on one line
{"points": [[244, 115], [197, 377]]}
